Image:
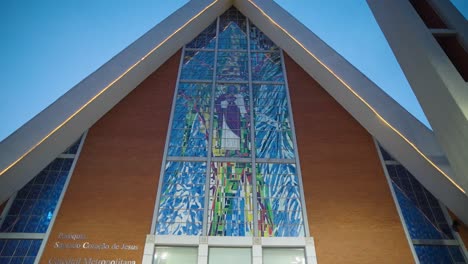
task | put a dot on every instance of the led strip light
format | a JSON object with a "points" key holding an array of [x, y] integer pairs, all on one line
{"points": [[357, 95], [106, 88]]}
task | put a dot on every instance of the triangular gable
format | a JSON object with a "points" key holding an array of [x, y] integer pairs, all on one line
{"points": [[40, 140]]}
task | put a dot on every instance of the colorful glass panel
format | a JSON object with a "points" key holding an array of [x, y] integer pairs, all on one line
{"points": [[232, 30], [182, 200], [231, 124], [273, 135], [191, 120], [232, 66], [266, 66], [212, 124], [231, 207], [259, 41], [206, 39], [279, 201], [197, 65]]}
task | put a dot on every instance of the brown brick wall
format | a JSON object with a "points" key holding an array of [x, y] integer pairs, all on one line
{"points": [[112, 193], [351, 213]]}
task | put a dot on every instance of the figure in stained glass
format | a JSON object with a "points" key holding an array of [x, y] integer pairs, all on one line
{"points": [[232, 123]]}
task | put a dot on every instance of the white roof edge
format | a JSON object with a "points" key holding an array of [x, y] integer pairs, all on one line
{"points": [[315, 56], [34, 145], [23, 142]]}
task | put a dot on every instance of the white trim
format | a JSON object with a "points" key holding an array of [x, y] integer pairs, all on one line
{"points": [[395, 200], [22, 236], [166, 146], [296, 150], [455, 234]]}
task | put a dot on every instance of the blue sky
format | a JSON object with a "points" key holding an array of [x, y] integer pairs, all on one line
{"points": [[49, 46]]}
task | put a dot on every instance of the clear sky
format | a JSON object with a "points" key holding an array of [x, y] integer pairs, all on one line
{"points": [[48, 46]]}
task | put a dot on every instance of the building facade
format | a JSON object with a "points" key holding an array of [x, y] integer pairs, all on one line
{"points": [[229, 152]]}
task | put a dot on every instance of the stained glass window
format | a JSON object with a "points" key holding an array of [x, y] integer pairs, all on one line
{"points": [[423, 216], [231, 167], [32, 208]]}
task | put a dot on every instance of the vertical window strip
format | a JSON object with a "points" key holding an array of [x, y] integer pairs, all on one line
{"points": [[426, 223], [28, 217]]}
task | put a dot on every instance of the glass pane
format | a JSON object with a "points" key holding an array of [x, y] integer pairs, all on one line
{"points": [[35, 203], [232, 66], [230, 256], [231, 135], [232, 30], [191, 119], [197, 65], [182, 199], [421, 209], [176, 255], [284, 255], [259, 41], [19, 250], [231, 210], [273, 135], [439, 254], [206, 39], [266, 66], [279, 203]]}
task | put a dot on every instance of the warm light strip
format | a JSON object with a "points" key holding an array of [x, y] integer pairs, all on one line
{"points": [[106, 88], [357, 95]]}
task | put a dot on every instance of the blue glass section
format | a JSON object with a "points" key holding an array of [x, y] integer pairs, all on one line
{"points": [[418, 225], [232, 30], [279, 201], [197, 65], [422, 200], [181, 204], [206, 39], [73, 149], [438, 254], [266, 66], [231, 124], [19, 250], [259, 41], [232, 66], [273, 135], [191, 119], [35, 203]]}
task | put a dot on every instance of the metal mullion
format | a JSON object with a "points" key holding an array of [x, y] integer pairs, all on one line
{"points": [[194, 81], [210, 135], [234, 50], [296, 151], [198, 49], [20, 235], [166, 146], [278, 161], [266, 51], [268, 82], [189, 159], [253, 150], [231, 159], [233, 82]]}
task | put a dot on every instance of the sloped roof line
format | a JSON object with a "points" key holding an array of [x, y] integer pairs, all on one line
{"points": [[327, 73], [360, 98], [106, 88]]}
